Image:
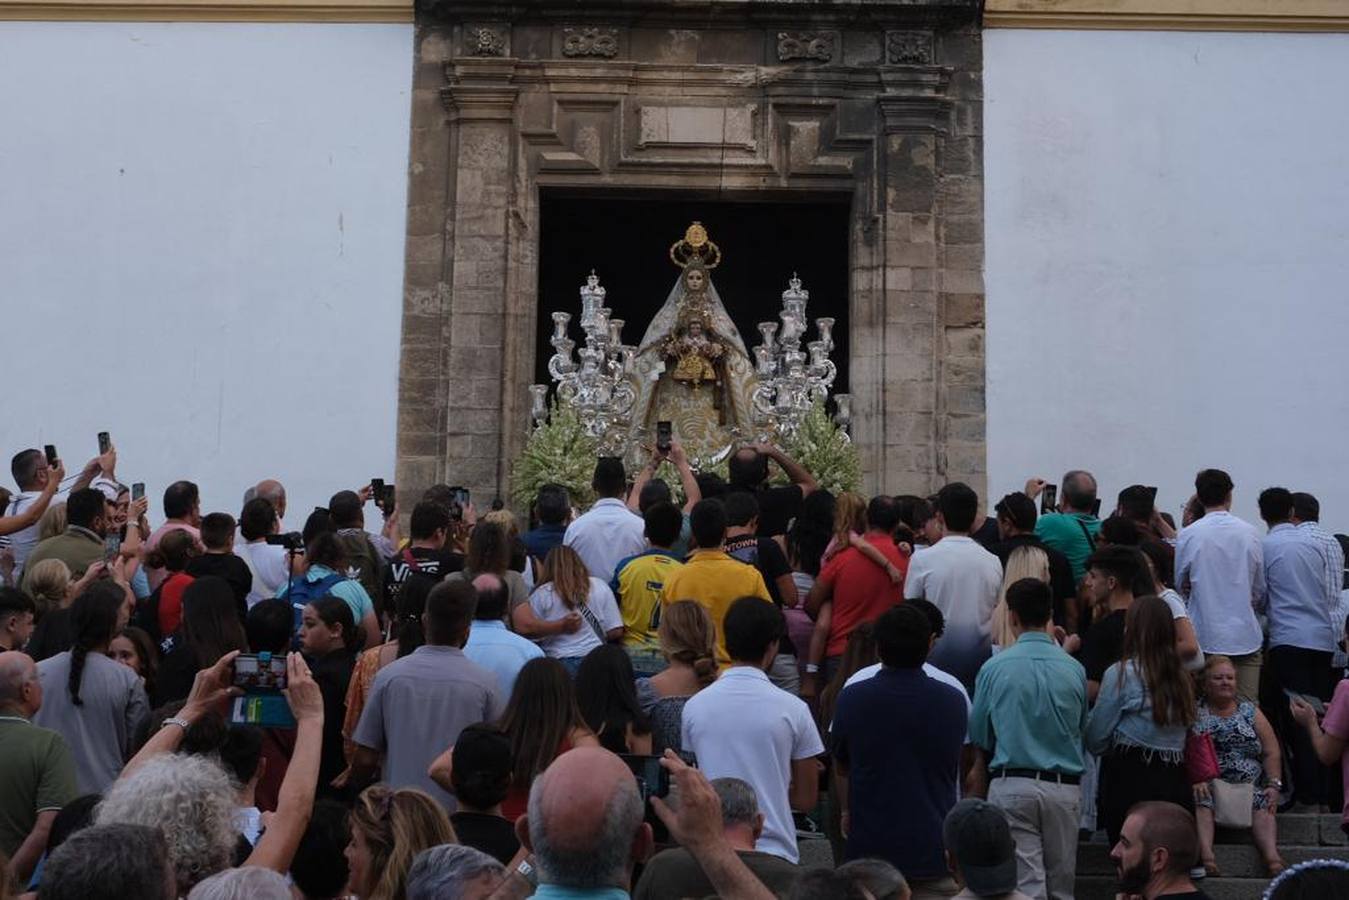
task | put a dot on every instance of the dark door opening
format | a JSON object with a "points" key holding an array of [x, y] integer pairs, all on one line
{"points": [[626, 237]]}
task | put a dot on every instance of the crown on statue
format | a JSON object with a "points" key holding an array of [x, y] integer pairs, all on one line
{"points": [[695, 246]]}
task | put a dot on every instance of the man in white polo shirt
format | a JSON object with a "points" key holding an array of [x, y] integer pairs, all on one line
{"points": [[610, 532], [962, 580], [743, 727]]}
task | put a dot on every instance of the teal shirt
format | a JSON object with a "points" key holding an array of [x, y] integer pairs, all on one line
{"points": [[1063, 532], [556, 892], [1030, 707]]}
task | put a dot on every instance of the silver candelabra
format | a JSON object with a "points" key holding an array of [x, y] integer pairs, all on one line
{"points": [[594, 380], [792, 380]]}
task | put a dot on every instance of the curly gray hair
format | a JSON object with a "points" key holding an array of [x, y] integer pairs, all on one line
{"points": [[192, 799]]}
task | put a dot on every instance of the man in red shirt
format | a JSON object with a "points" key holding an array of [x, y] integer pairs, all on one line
{"points": [[857, 587]]}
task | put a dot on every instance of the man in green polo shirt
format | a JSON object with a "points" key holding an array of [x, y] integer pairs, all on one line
{"points": [[37, 774], [1072, 530], [81, 544], [1029, 714]]}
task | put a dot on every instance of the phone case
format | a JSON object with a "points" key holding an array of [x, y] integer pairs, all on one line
{"points": [[264, 710]]}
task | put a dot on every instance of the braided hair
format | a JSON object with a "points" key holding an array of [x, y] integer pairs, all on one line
{"points": [[94, 618]]}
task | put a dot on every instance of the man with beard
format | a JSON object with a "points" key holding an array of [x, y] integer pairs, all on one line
{"points": [[1158, 845]]}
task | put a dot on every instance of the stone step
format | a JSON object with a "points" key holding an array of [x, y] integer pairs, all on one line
{"points": [[1102, 887], [1295, 829], [1234, 860]]}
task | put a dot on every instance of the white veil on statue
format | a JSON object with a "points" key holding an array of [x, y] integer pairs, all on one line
{"points": [[709, 418]]}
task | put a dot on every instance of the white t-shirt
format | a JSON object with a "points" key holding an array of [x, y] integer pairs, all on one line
{"points": [[741, 726], [267, 562], [24, 540], [547, 605], [1177, 606]]}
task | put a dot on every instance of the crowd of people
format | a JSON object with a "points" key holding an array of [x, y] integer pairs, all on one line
{"points": [[661, 696]]}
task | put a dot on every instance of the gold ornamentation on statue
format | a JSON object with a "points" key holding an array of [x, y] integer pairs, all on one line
{"points": [[695, 352], [695, 247]]}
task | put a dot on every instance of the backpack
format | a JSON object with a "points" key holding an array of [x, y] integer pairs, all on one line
{"points": [[365, 563], [303, 592]]}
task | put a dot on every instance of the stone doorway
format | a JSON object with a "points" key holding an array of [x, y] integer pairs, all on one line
{"points": [[878, 101]]}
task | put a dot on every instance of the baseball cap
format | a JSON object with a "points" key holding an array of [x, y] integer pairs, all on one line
{"points": [[978, 836], [1019, 508]]}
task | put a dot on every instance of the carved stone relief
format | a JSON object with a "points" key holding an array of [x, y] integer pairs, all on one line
{"points": [[482, 40], [909, 48], [590, 42], [805, 45]]}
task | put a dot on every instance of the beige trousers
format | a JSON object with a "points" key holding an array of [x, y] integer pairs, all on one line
{"points": [[1044, 818]]}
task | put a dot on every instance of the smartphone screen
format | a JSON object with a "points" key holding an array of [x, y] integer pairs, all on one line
{"points": [[104, 442], [652, 778], [260, 672], [50, 450], [377, 489], [390, 496], [663, 436], [460, 496], [112, 545], [138, 491], [1049, 499]]}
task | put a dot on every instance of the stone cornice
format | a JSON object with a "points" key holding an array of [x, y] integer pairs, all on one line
{"points": [[1170, 15], [207, 10]]}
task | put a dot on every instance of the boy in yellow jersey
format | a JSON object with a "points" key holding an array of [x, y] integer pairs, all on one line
{"points": [[710, 576], [639, 584]]}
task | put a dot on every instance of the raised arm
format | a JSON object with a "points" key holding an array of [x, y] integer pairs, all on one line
{"points": [[11, 524], [210, 689], [795, 472], [295, 801], [696, 825], [692, 493]]}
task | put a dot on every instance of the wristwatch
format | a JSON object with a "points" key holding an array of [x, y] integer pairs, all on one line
{"points": [[526, 871], [1274, 783]]}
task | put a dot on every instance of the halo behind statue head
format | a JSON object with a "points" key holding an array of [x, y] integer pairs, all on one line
{"points": [[695, 247]]}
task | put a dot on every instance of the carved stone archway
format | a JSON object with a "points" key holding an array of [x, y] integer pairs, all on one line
{"points": [[878, 98]]}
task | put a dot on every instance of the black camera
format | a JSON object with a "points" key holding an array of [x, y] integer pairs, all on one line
{"points": [[291, 540]]}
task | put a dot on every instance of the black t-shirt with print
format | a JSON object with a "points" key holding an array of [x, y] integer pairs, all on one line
{"points": [[434, 564]]}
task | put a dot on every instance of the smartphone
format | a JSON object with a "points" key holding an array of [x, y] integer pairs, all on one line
{"points": [[50, 450], [460, 498], [1152, 493], [260, 672], [663, 436], [377, 491], [1314, 702], [104, 442], [1096, 507], [1049, 499], [390, 497], [652, 778], [112, 545], [138, 491]]}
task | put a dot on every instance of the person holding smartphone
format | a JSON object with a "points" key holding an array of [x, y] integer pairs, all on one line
{"points": [[39, 476], [1073, 528]]}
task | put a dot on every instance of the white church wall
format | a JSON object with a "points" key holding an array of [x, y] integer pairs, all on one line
{"points": [[201, 249], [1167, 261]]}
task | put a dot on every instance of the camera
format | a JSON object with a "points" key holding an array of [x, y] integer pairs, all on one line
{"points": [[291, 540]]}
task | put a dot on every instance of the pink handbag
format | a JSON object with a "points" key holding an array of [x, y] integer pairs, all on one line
{"points": [[1201, 759]]}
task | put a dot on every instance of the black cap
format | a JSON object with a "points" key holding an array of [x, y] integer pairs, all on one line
{"points": [[978, 836], [1019, 509]]}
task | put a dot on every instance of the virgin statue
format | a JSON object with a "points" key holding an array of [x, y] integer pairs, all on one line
{"points": [[692, 367]]}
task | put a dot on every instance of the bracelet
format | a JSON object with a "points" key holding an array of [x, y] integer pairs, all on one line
{"points": [[812, 668], [181, 723], [1274, 783]]}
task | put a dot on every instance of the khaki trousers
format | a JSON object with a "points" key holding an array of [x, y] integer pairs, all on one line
{"points": [[1044, 817], [1248, 675]]}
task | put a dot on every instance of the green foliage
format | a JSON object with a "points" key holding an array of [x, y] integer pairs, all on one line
{"points": [[559, 452], [824, 450]]}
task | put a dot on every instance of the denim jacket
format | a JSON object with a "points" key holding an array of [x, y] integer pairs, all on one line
{"points": [[1123, 717]]}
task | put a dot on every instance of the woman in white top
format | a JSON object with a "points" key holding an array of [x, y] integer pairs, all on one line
{"points": [[567, 588]]}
